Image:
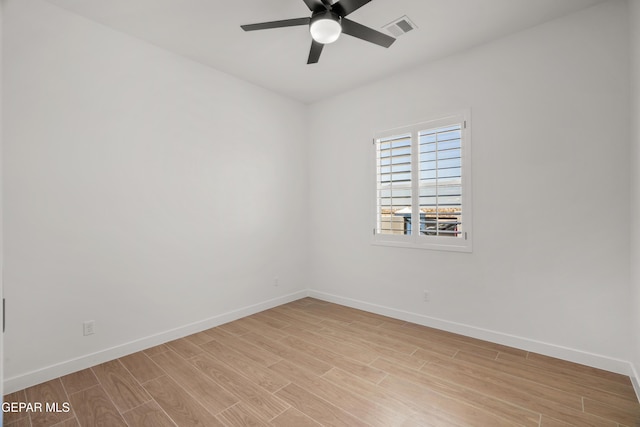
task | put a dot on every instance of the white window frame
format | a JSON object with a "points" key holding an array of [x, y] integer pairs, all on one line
{"points": [[416, 240]]}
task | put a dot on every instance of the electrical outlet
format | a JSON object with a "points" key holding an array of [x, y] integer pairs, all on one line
{"points": [[275, 281], [89, 327], [426, 296]]}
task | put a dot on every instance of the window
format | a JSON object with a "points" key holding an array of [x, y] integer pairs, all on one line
{"points": [[423, 191]]}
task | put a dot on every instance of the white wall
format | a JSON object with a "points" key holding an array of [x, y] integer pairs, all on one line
{"points": [[550, 266], [635, 186], [142, 190], [1, 233]]}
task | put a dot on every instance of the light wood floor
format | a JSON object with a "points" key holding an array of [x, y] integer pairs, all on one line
{"points": [[311, 363]]}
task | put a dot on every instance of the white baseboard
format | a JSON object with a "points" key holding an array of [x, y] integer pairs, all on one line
{"points": [[635, 380], [577, 356], [29, 379]]}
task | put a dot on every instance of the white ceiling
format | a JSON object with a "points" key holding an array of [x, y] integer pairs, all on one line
{"points": [[208, 31]]}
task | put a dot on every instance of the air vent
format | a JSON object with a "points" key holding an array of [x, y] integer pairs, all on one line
{"points": [[400, 26]]}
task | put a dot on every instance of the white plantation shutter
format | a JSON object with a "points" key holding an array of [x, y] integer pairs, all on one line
{"points": [[394, 189], [423, 185], [441, 181]]}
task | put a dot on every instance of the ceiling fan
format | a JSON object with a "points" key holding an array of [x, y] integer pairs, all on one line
{"points": [[328, 20]]}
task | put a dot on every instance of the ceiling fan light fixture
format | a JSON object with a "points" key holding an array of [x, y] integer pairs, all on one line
{"points": [[325, 27]]}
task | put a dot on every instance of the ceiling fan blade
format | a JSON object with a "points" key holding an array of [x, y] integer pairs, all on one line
{"points": [[315, 5], [345, 7], [276, 24], [314, 53], [365, 33]]}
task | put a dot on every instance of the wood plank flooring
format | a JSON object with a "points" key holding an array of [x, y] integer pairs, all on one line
{"points": [[313, 363]]}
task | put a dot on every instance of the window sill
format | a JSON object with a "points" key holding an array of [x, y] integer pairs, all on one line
{"points": [[466, 247]]}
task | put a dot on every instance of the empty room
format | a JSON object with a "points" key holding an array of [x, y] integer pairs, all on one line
{"points": [[320, 213]]}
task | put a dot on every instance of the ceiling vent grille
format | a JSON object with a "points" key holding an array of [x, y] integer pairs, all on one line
{"points": [[400, 26]]}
